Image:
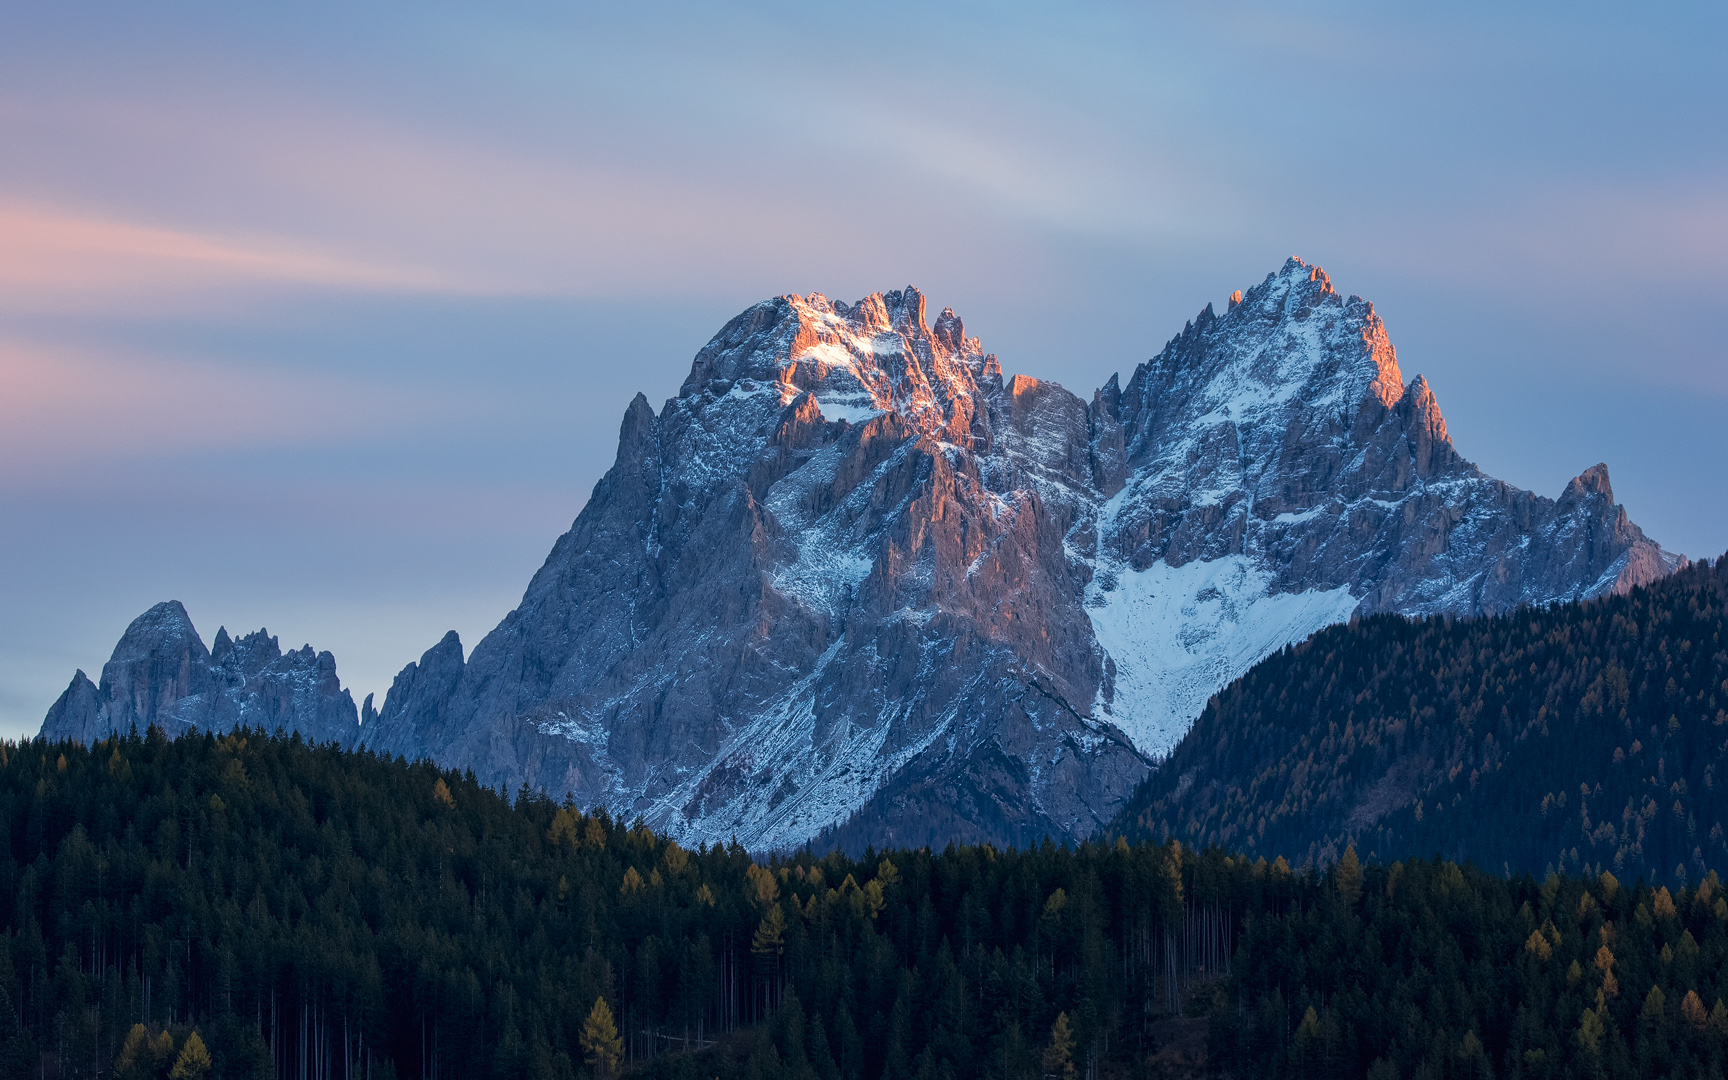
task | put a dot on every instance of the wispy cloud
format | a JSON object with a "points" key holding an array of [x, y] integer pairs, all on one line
{"points": [[64, 410], [52, 258]]}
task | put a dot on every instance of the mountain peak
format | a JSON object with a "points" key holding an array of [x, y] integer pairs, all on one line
{"points": [[1290, 354], [163, 630], [1592, 481]]}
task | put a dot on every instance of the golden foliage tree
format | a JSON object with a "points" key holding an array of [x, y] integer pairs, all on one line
{"points": [[1350, 876], [194, 1062], [600, 1042], [142, 1056], [1059, 1055]]}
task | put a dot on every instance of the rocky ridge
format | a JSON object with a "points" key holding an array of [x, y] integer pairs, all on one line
{"points": [[851, 583], [161, 674]]}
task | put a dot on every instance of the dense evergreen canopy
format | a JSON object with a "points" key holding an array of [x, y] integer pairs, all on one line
{"points": [[1580, 737], [250, 906]]}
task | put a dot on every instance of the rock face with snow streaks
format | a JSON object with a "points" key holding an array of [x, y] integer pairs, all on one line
{"points": [[836, 558], [1270, 473], [852, 585], [161, 674]]}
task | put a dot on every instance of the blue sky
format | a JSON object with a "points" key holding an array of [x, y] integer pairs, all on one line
{"points": [[323, 319]]}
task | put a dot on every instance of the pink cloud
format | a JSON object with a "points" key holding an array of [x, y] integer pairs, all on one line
{"points": [[51, 258], [63, 411]]}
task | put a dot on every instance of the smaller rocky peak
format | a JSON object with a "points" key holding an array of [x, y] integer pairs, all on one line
{"points": [[1108, 398], [908, 307], [78, 714], [367, 713], [1591, 482], [252, 653], [1235, 298], [1423, 409], [1205, 318], [871, 313], [81, 688], [1421, 398], [221, 646], [418, 687], [745, 346], [638, 423], [163, 631], [261, 640], [1418, 418], [950, 331], [1022, 384], [446, 654], [801, 423]]}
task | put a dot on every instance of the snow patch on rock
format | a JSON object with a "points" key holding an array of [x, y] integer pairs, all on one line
{"points": [[1177, 634]]}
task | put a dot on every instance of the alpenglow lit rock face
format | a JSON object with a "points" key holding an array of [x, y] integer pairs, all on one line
{"points": [[162, 674], [852, 585]]}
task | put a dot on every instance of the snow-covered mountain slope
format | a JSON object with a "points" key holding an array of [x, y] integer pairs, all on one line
{"points": [[851, 584], [162, 674]]}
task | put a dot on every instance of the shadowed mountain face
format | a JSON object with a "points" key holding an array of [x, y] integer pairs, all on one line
{"points": [[850, 583]]}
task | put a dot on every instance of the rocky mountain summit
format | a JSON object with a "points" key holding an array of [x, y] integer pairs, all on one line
{"points": [[1270, 473], [852, 584], [162, 674]]}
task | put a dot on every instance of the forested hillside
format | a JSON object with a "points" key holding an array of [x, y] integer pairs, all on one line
{"points": [[249, 906], [1579, 737], [1429, 970], [327, 913]]}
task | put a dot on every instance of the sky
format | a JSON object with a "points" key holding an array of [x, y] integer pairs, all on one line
{"points": [[323, 317]]}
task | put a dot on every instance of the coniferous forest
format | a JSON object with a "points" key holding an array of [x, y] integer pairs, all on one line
{"points": [[250, 906]]}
